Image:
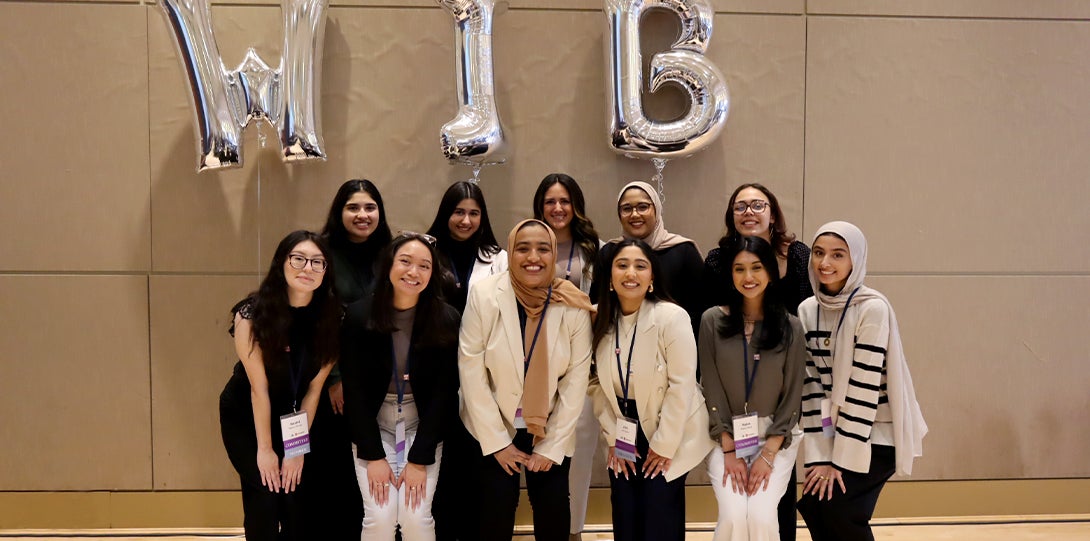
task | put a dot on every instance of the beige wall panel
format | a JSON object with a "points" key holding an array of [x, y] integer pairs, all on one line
{"points": [[1037, 9], [191, 360], [999, 365], [949, 141], [75, 186], [206, 222], [75, 391]]}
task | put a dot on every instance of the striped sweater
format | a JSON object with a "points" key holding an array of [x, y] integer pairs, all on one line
{"points": [[864, 417]]}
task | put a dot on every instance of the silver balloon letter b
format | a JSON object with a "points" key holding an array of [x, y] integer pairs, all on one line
{"points": [[685, 65], [474, 136], [226, 101]]}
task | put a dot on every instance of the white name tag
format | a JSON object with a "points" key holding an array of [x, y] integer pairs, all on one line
{"points": [[519, 421], [827, 429], [746, 435], [625, 446], [293, 427]]}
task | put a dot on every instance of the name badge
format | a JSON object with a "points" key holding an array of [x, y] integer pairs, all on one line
{"points": [[827, 429], [293, 427], [519, 421], [625, 446], [746, 435], [399, 442]]}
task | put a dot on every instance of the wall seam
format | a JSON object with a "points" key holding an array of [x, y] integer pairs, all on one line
{"points": [[151, 251]]}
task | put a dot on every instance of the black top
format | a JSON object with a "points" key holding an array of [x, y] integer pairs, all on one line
{"points": [[460, 258], [367, 369], [682, 277], [280, 369], [794, 286], [355, 268]]}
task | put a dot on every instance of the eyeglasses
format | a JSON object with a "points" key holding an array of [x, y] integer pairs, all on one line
{"points": [[422, 237], [640, 208], [299, 262], [757, 206]]}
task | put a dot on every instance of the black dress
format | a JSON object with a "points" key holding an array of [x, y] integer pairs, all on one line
{"points": [[266, 512]]}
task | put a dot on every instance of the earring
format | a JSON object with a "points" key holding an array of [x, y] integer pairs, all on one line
{"points": [[651, 288], [611, 286]]}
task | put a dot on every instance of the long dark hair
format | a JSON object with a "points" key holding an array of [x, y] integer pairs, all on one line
{"points": [[334, 225], [781, 237], [775, 329], [271, 313], [582, 229], [609, 306], [484, 239], [431, 310]]}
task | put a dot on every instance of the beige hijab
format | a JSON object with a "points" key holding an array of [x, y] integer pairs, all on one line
{"points": [[659, 239], [535, 395]]}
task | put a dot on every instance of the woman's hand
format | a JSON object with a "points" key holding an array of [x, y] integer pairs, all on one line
{"points": [[511, 459], [619, 465], [379, 479], [336, 397], [820, 482], [414, 483], [655, 465], [539, 463], [291, 473], [268, 464], [734, 470], [759, 473]]}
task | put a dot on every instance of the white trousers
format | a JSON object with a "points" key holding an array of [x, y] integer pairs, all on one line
{"points": [[751, 518], [380, 522]]}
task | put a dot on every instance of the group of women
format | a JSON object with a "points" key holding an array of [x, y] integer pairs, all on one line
{"points": [[434, 368]]}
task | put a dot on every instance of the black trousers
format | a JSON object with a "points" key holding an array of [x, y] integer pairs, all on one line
{"points": [[846, 517], [498, 498], [268, 516], [786, 509], [455, 505], [333, 507], [646, 509]]}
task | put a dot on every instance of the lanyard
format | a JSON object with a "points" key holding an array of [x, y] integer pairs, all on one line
{"points": [[296, 374], [458, 273], [843, 313], [626, 374], [571, 254], [533, 343], [745, 369], [399, 379]]}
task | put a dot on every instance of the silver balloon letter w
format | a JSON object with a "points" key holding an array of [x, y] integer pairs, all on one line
{"points": [[685, 65], [226, 101], [475, 136]]}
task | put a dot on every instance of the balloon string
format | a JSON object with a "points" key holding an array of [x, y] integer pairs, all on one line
{"points": [[260, 139], [476, 174], [660, 164]]}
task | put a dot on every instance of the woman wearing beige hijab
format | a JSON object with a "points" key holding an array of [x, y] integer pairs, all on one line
{"points": [[524, 362]]}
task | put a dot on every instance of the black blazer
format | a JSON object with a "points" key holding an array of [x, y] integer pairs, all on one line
{"points": [[367, 370]]}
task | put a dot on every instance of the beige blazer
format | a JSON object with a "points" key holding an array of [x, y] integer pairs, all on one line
{"points": [[491, 369], [671, 406]]}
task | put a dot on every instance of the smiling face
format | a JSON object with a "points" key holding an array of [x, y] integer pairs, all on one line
{"points": [[750, 275], [532, 256], [637, 224], [360, 216], [410, 272], [832, 262], [557, 209], [465, 220], [631, 276], [750, 223], [304, 280]]}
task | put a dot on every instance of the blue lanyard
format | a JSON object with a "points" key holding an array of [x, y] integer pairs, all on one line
{"points": [[571, 254], [533, 343], [296, 374], [745, 369], [399, 379], [843, 313], [626, 374]]}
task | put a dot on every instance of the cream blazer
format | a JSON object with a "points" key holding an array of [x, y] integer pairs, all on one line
{"points": [[492, 264], [670, 403], [491, 369]]}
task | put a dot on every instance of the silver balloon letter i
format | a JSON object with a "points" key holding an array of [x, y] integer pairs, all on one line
{"points": [[633, 134], [226, 101], [474, 136]]}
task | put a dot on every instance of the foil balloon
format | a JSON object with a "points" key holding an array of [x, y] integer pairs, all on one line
{"points": [[630, 131], [226, 101], [475, 136]]}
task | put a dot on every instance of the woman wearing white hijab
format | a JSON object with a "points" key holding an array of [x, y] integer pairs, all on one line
{"points": [[859, 407], [640, 210]]}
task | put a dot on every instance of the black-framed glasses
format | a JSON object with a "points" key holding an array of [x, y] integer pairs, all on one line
{"points": [[299, 262], [422, 237], [757, 206], [639, 208]]}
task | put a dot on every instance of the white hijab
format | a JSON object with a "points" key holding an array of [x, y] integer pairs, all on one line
{"points": [[909, 427]]}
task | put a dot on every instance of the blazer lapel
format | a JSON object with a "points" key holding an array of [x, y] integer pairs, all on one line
{"points": [[646, 357], [512, 329]]}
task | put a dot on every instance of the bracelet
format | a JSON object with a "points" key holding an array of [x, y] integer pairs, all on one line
{"points": [[767, 461], [728, 452]]}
